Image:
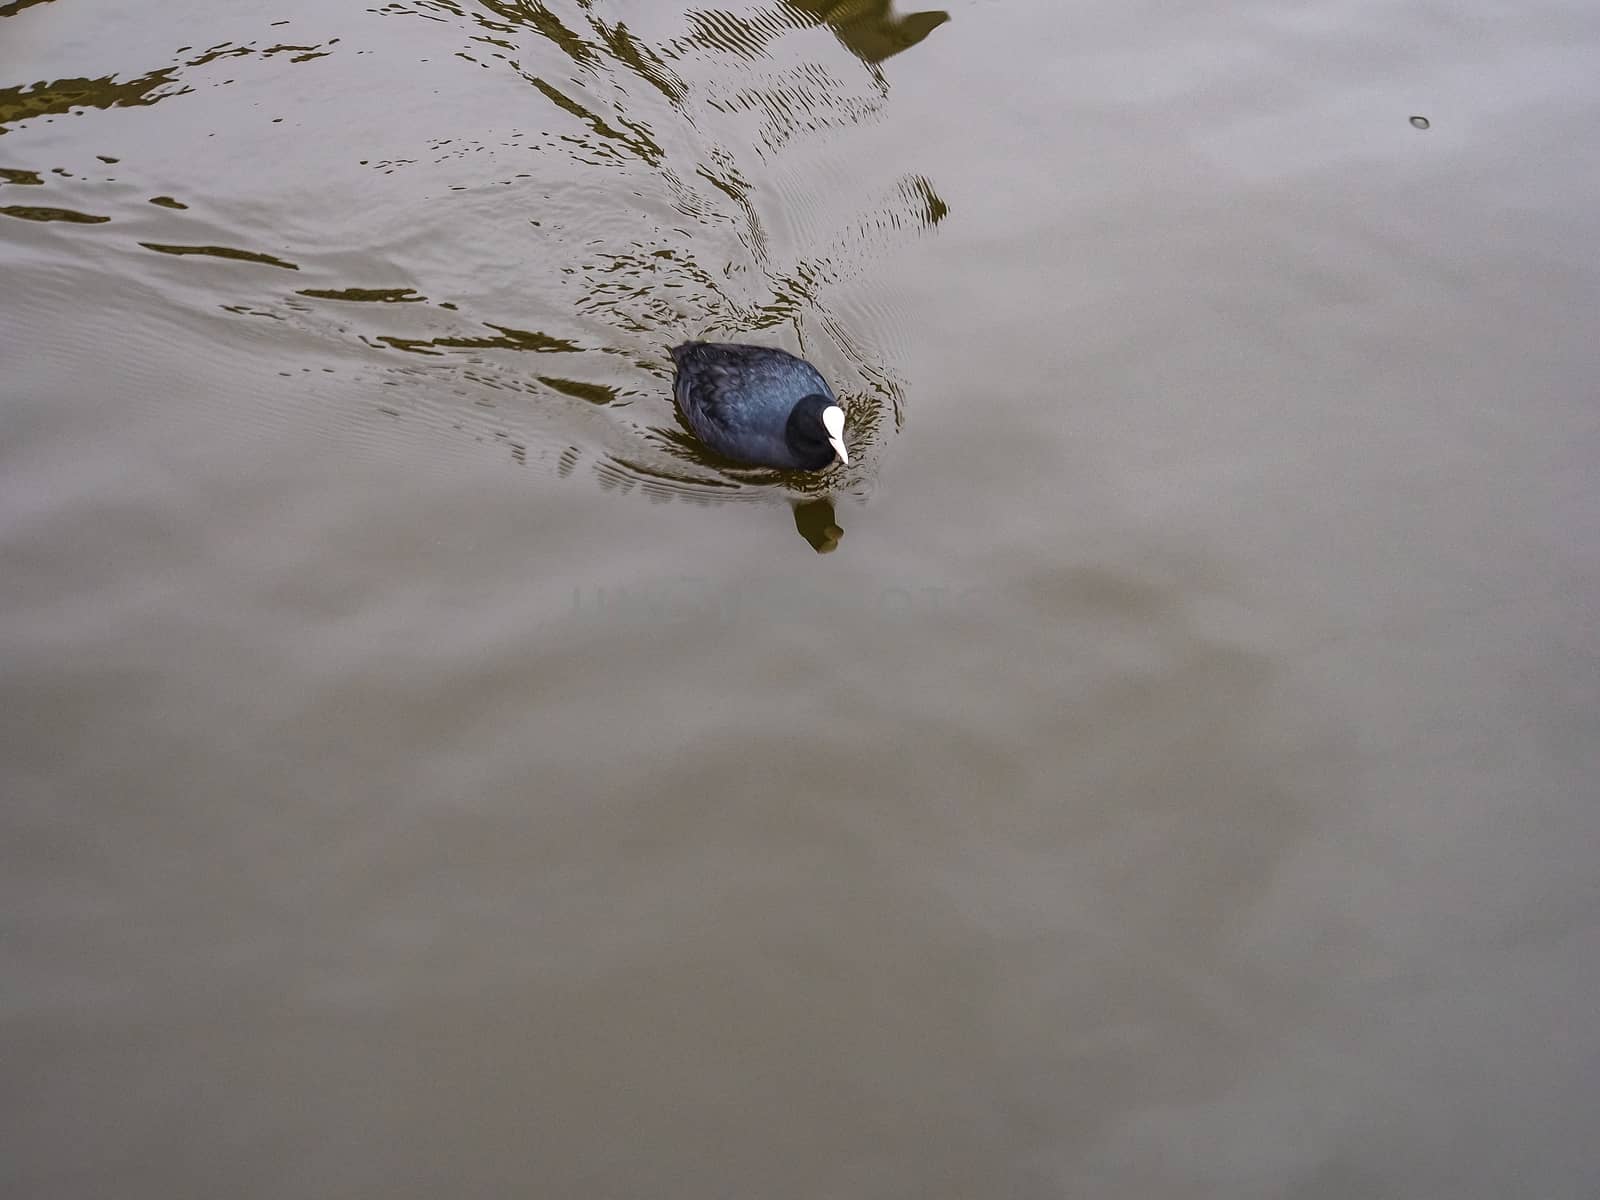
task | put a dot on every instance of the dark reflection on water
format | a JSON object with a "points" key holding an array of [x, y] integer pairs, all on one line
{"points": [[23, 103], [814, 521], [870, 30], [365, 295], [19, 104], [16, 6], [29, 212], [506, 338], [228, 252]]}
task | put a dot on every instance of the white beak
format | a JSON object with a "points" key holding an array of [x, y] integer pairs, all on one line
{"points": [[833, 422]]}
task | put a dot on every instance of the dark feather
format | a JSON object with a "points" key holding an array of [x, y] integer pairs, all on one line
{"points": [[738, 400]]}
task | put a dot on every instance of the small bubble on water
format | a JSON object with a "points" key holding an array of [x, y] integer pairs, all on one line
{"points": [[1419, 122]]}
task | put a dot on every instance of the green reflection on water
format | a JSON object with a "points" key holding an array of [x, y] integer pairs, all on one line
{"points": [[32, 213], [639, 141], [532, 15], [814, 520], [643, 61], [16, 6], [64, 95], [366, 295], [594, 393], [871, 31], [249, 256], [509, 339]]}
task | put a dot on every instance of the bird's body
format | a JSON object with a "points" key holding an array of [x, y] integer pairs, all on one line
{"points": [[758, 406]]}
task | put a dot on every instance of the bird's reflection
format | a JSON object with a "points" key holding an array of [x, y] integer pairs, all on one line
{"points": [[814, 521], [871, 31]]}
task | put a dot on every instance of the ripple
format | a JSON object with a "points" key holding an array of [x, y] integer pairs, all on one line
{"points": [[684, 130], [16, 6], [35, 213], [507, 339], [869, 29], [45, 99], [872, 32], [249, 256], [19, 104], [651, 188], [594, 393], [365, 295]]}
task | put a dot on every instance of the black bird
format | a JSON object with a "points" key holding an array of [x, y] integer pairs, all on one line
{"points": [[759, 406]]}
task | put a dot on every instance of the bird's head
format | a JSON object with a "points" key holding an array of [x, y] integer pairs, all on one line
{"points": [[815, 432]]}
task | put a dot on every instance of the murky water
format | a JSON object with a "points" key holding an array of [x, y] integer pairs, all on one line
{"points": [[427, 774]]}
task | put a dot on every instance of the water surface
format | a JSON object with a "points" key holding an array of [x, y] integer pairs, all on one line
{"points": [[426, 772]]}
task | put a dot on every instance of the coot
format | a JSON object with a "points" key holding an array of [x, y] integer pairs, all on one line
{"points": [[759, 406]]}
